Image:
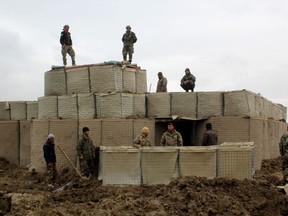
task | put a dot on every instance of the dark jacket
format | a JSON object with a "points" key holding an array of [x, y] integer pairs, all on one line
{"points": [[65, 38], [49, 152], [129, 38], [209, 138]]}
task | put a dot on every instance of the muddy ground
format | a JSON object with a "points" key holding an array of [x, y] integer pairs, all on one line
{"points": [[25, 193]]}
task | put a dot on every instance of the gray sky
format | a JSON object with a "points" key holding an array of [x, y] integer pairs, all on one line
{"points": [[227, 44]]}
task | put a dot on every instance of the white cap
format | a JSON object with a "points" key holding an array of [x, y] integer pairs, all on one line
{"points": [[50, 136]]}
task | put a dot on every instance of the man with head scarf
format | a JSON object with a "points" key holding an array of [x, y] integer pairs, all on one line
{"points": [[143, 139], [50, 157], [66, 42]]}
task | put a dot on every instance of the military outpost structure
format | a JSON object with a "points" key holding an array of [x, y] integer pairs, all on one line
{"points": [[112, 100]]}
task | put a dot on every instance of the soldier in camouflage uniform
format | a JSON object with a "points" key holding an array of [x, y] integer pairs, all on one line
{"points": [[283, 146], [171, 137], [50, 158], [128, 39], [162, 83], [143, 139], [188, 81], [86, 153]]}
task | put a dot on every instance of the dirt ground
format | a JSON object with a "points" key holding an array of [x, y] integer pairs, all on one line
{"points": [[25, 193]]}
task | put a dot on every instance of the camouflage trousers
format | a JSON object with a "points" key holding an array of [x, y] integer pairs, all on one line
{"points": [[285, 168], [128, 49], [188, 86], [87, 167], [68, 49], [51, 172]]}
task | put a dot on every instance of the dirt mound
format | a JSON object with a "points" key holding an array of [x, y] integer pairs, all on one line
{"points": [[24, 193]]}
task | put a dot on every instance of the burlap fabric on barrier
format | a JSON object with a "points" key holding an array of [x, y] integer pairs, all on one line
{"points": [[239, 103], [114, 105], [106, 79], [184, 104], [66, 133], [32, 110], [118, 132], [55, 83], [129, 80], [48, 107], [78, 80], [18, 110], [67, 107], [197, 161], [86, 106], [9, 141], [141, 81], [5, 111], [236, 160], [139, 105], [209, 104], [39, 133], [159, 165], [120, 165], [25, 143], [158, 104]]}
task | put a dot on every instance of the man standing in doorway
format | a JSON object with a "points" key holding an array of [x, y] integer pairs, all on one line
{"points": [[128, 39], [162, 83], [209, 136], [66, 43], [171, 137]]}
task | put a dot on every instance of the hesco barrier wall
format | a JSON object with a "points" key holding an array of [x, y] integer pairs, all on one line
{"points": [[202, 105], [101, 78], [25, 143]]}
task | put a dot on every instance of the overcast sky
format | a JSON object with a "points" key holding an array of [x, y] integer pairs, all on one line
{"points": [[227, 44]]}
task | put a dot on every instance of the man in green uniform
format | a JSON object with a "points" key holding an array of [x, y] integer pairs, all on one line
{"points": [[128, 39], [171, 137], [162, 83], [86, 153], [188, 81], [283, 146], [143, 139]]}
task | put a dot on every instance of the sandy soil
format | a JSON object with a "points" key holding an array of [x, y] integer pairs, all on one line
{"points": [[24, 193]]}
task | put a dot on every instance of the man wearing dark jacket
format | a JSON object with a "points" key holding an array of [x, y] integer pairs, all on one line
{"points": [[50, 157], [209, 137], [66, 43]]}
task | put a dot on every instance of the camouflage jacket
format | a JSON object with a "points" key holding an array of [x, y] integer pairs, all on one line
{"points": [[129, 38], [188, 77], [162, 85], [172, 138], [283, 145], [85, 148], [141, 141]]}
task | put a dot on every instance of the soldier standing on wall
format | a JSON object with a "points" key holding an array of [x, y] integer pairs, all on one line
{"points": [[162, 83], [128, 39], [66, 43]]}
